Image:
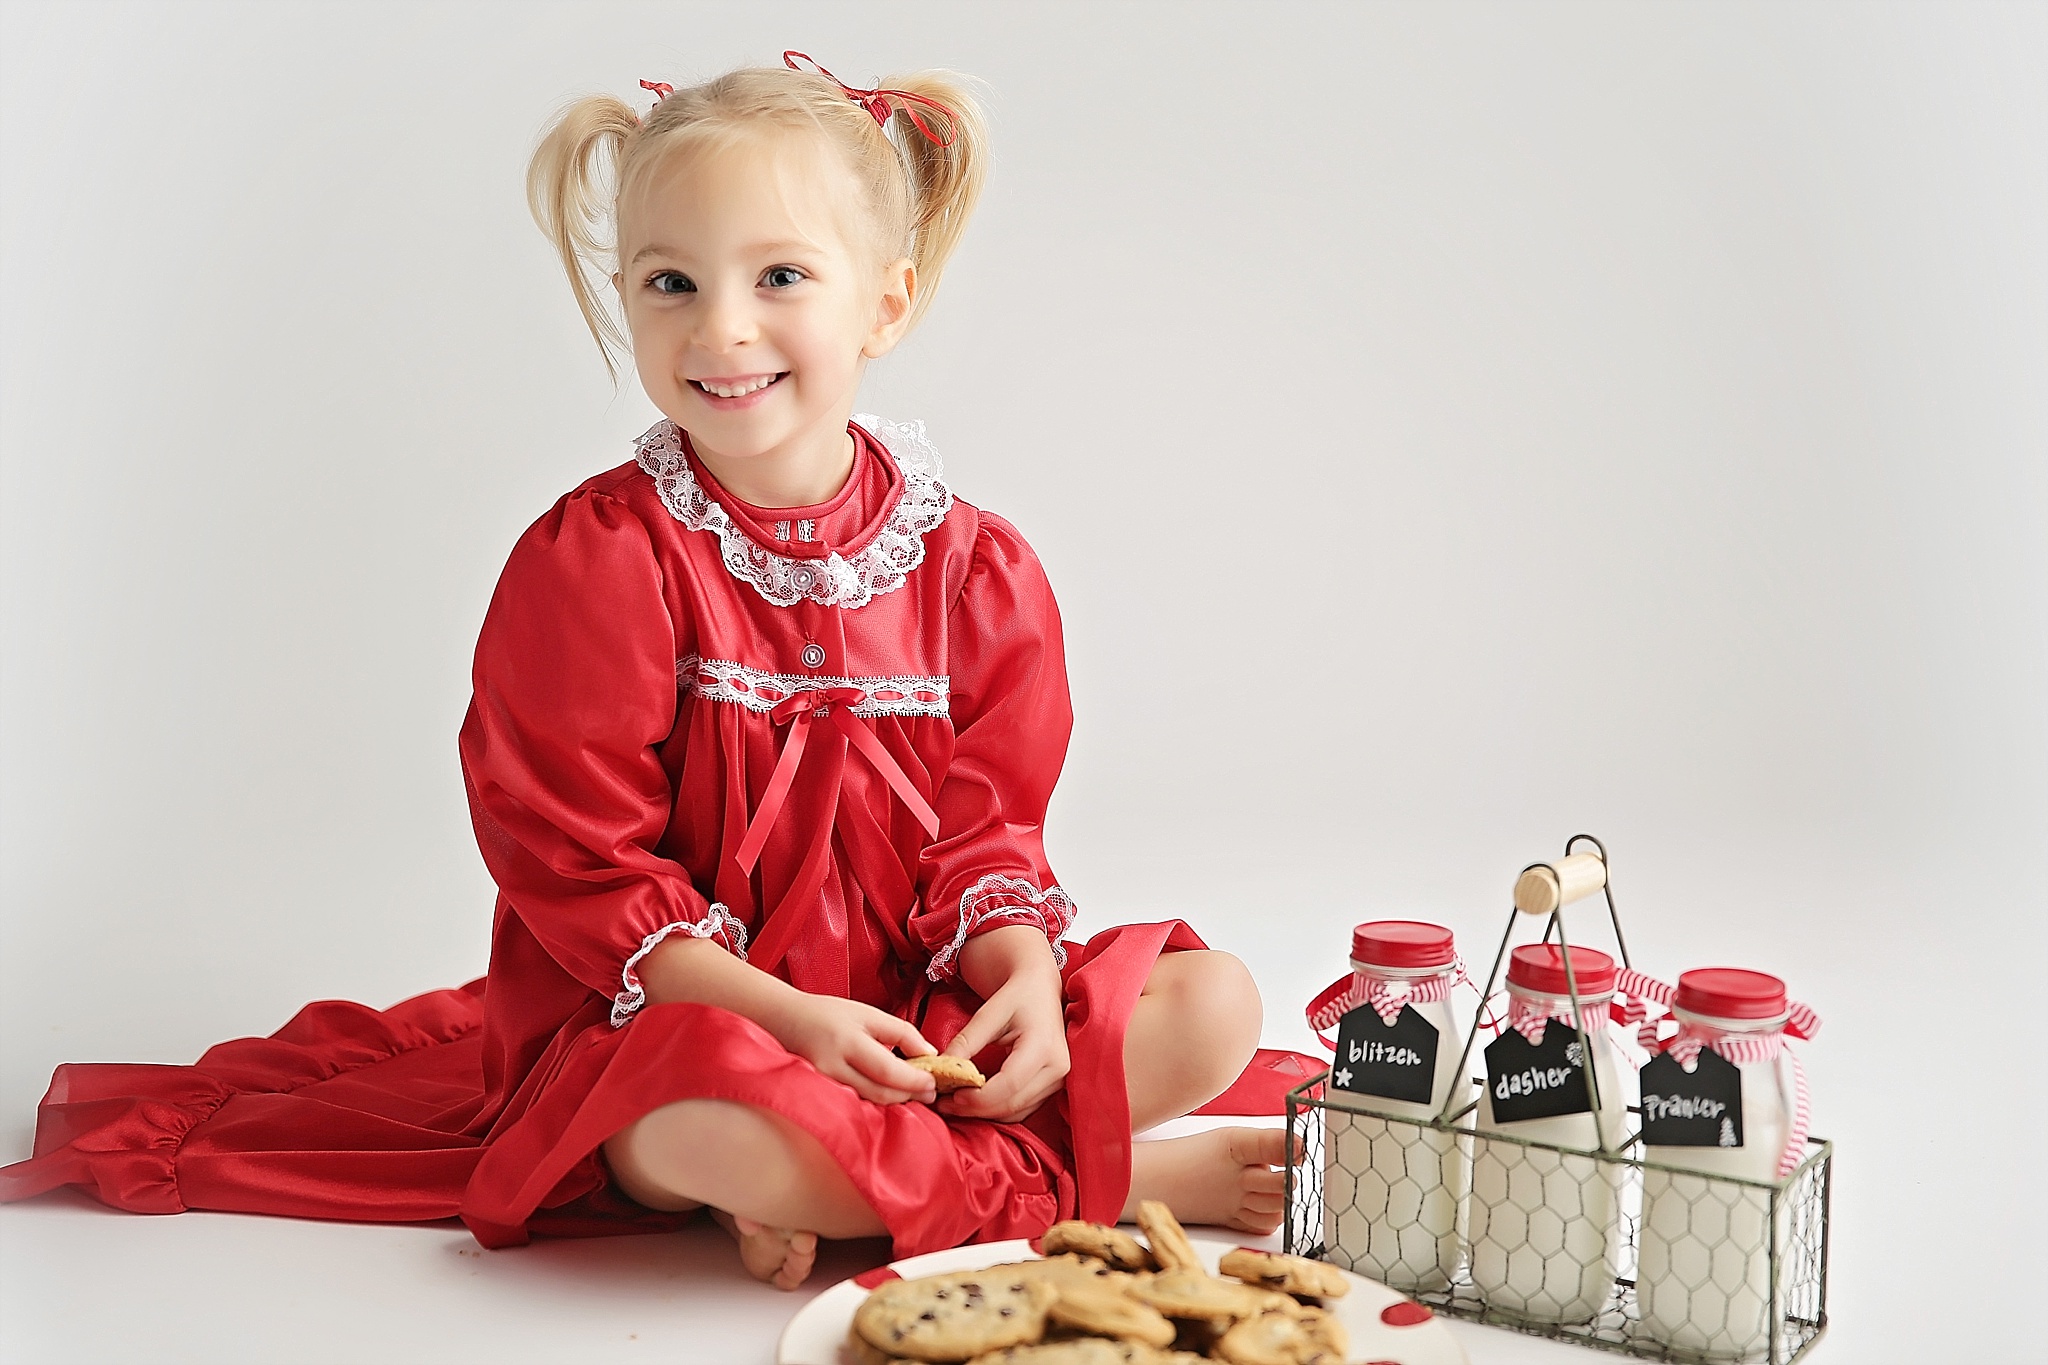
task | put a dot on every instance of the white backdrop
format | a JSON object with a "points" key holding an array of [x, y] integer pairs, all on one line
{"points": [[1447, 427]]}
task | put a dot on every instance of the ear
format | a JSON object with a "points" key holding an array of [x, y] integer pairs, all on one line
{"points": [[892, 311]]}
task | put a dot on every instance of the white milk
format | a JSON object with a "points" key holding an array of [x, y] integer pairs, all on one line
{"points": [[1703, 1281], [1392, 1192], [1545, 1226]]}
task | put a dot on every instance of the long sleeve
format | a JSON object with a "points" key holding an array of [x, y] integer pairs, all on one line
{"points": [[1012, 718], [575, 687]]}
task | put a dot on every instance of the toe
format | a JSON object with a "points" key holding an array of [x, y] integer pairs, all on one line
{"points": [[1252, 1220], [801, 1255], [1260, 1180], [1258, 1146]]}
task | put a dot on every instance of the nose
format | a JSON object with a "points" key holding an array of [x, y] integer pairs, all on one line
{"points": [[725, 320]]}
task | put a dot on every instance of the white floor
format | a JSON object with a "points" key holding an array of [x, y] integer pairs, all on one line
{"points": [[81, 1284]]}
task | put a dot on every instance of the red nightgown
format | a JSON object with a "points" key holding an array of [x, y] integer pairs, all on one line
{"points": [[823, 737]]}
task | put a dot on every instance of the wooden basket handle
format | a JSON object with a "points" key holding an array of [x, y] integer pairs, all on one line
{"points": [[1545, 887]]}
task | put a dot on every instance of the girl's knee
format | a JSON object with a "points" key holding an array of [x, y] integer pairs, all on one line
{"points": [[1213, 996]]}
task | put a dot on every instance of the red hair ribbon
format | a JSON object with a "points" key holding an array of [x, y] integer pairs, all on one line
{"points": [[662, 90], [878, 102]]}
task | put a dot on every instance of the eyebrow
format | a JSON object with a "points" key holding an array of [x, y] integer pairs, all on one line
{"points": [[752, 249]]}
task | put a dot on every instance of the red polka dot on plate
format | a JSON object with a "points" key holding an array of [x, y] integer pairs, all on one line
{"points": [[1405, 1314]]}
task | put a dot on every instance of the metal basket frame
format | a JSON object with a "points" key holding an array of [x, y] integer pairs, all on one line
{"points": [[1797, 1260]]}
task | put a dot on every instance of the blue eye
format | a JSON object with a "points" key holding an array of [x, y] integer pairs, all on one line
{"points": [[781, 276], [671, 282]]}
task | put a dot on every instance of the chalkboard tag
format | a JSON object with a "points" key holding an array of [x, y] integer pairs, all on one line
{"points": [[1394, 1061], [1703, 1109], [1538, 1082]]}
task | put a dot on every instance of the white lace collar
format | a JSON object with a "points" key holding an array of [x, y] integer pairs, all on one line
{"points": [[853, 580]]}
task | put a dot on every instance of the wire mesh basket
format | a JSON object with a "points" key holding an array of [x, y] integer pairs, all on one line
{"points": [[1596, 1245], [1739, 1267]]}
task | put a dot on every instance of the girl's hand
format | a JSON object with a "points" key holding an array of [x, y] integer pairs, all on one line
{"points": [[851, 1042], [1028, 1014]]}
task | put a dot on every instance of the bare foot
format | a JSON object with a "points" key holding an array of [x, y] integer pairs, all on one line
{"points": [[1225, 1176], [780, 1256]]}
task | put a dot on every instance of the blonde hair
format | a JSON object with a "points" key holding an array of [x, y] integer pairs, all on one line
{"points": [[918, 192]]}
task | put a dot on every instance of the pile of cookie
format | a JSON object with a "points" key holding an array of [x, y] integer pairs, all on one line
{"points": [[1101, 1297]]}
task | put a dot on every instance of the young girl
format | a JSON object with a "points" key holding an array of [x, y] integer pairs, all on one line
{"points": [[765, 725]]}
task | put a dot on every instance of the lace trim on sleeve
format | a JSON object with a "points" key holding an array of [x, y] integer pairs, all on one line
{"points": [[996, 898], [717, 924]]}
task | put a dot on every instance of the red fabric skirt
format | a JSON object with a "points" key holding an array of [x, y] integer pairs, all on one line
{"points": [[366, 1115]]}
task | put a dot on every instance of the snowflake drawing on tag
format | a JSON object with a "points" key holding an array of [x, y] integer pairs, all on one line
{"points": [[1575, 1054]]}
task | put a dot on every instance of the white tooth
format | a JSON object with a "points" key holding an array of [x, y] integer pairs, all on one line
{"points": [[737, 390]]}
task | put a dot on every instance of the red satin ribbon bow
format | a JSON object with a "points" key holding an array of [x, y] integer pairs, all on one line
{"points": [[877, 102], [662, 90], [798, 711]]}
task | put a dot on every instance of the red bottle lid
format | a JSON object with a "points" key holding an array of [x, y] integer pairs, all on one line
{"points": [[1731, 993], [1403, 943], [1539, 967]]}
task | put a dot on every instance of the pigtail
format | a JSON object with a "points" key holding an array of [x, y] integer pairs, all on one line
{"points": [[574, 207], [945, 179]]}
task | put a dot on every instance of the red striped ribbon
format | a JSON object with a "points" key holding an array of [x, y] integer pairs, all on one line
{"points": [[1385, 994], [1531, 1018]]}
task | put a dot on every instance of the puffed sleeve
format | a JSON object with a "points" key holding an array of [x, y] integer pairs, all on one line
{"points": [[1011, 720], [575, 685]]}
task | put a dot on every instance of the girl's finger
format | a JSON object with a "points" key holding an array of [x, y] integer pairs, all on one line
{"points": [[869, 1089], [884, 1068], [900, 1034], [1010, 1097], [989, 1102], [1264, 1203], [978, 1033]]}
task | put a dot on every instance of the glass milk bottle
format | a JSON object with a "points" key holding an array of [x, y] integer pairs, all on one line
{"points": [[1703, 1279], [1545, 1226], [1391, 1190]]}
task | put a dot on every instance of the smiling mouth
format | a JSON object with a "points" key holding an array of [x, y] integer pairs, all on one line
{"points": [[736, 388]]}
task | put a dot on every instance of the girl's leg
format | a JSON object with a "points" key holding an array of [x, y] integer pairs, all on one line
{"points": [[763, 1176], [1191, 1032]]}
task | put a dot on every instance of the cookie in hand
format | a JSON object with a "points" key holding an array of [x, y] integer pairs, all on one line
{"points": [[952, 1073]]}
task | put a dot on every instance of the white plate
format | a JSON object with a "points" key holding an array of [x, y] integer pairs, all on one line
{"points": [[817, 1334]]}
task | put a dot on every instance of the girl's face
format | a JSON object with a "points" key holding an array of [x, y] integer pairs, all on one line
{"points": [[754, 305]]}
